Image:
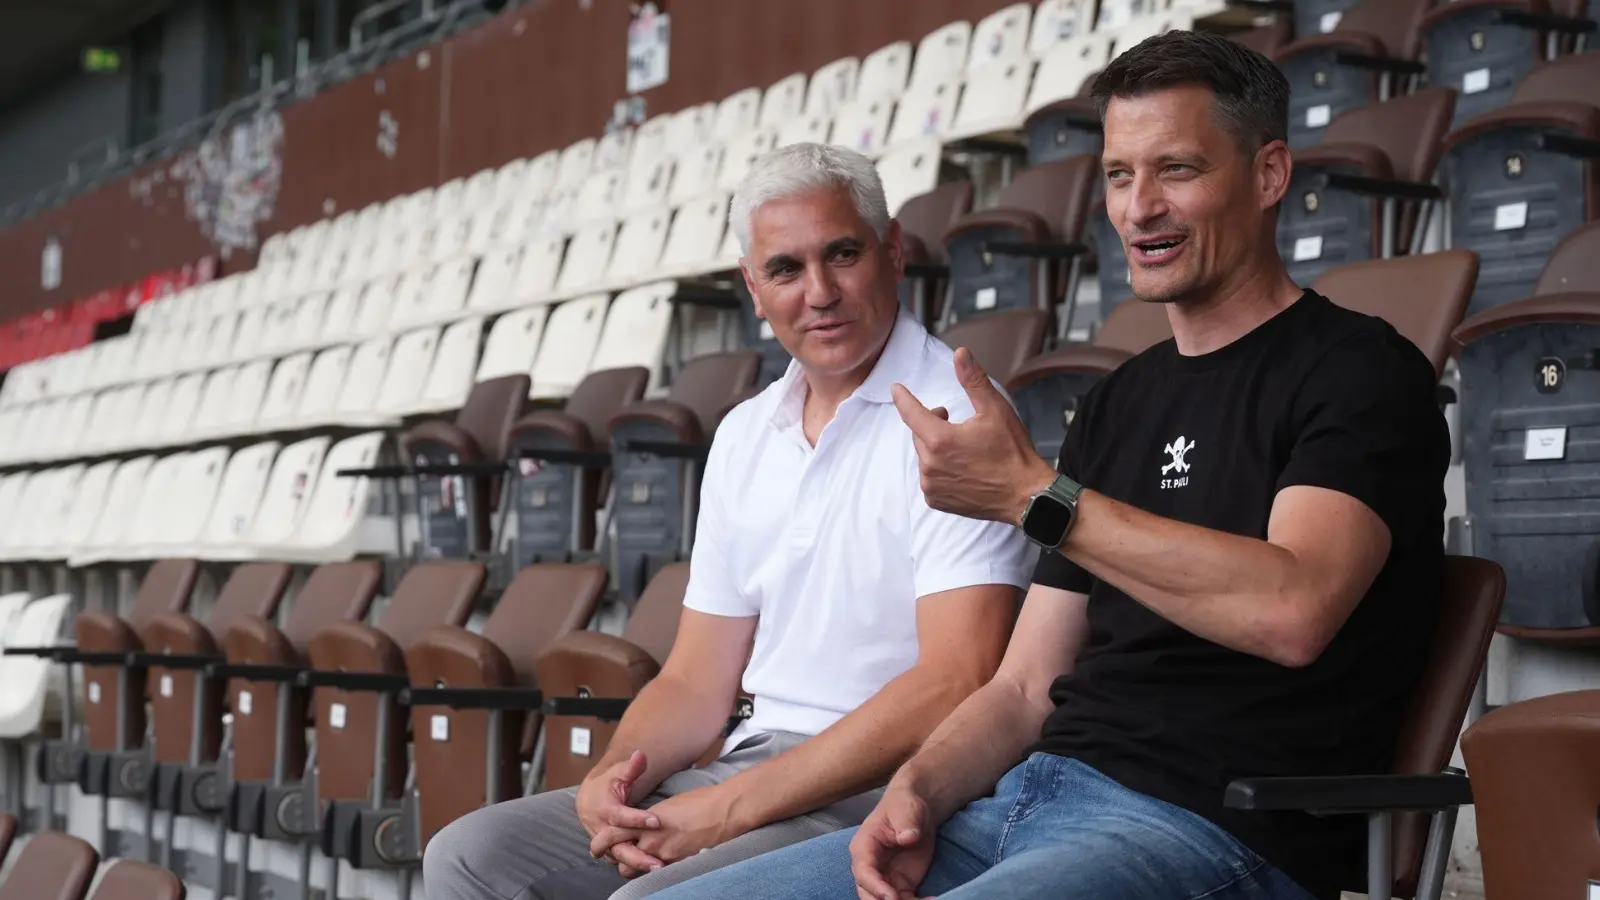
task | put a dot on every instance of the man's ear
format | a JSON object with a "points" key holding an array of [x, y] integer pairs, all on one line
{"points": [[750, 285], [1274, 168], [895, 248]]}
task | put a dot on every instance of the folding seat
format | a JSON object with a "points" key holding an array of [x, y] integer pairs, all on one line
{"points": [[570, 337], [640, 242], [149, 514], [324, 384], [285, 391], [36, 703], [88, 501], [941, 55], [152, 409], [491, 285], [1001, 342], [607, 667], [1423, 295], [541, 262], [992, 100], [474, 704], [269, 754], [1527, 371], [339, 322], [310, 313], [409, 363], [583, 269], [691, 127], [179, 415], [1370, 55], [1046, 388], [736, 114], [1020, 253], [831, 86], [695, 238], [450, 377], [357, 403], [238, 497], [337, 524], [376, 311], [1484, 48], [409, 307], [1366, 191], [513, 343], [54, 865], [863, 124], [121, 506], [657, 450], [808, 128], [926, 109], [1523, 176], [638, 325], [185, 703], [741, 153], [696, 170], [245, 395], [189, 505], [883, 74], [252, 324], [215, 398], [924, 219]]}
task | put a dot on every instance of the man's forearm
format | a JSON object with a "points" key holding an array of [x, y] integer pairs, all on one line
{"points": [[672, 723], [857, 753], [976, 745]]}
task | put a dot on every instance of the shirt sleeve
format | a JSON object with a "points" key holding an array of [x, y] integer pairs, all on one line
{"points": [[1053, 569], [712, 588], [950, 551], [1366, 423]]}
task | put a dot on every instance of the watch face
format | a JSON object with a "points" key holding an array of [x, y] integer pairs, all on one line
{"points": [[1047, 520]]}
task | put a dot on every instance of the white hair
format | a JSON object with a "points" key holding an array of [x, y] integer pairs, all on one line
{"points": [[802, 168]]}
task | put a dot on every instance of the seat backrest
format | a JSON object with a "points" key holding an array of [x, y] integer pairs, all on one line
{"points": [[1407, 129], [708, 384], [602, 392], [8, 833], [543, 602], [53, 866], [927, 216], [1469, 607], [333, 592], [1134, 326], [253, 589], [165, 588], [1266, 39], [568, 345], [490, 409], [1566, 79], [1000, 341], [1571, 265], [1058, 192], [432, 593], [653, 624], [1423, 296], [130, 879], [1396, 23]]}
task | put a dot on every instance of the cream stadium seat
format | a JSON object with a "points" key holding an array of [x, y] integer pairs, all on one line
{"points": [[513, 343], [742, 153], [910, 171], [339, 321], [238, 499], [117, 524], [696, 173], [926, 109], [245, 395], [376, 312], [695, 238], [491, 286], [570, 337], [1065, 69], [409, 307], [338, 524], [446, 297], [35, 687], [451, 376], [88, 503], [357, 403], [284, 500], [992, 99], [319, 402], [883, 73], [179, 417], [783, 100], [157, 398], [215, 396], [409, 364], [285, 392], [736, 114], [637, 326], [863, 125], [942, 55], [309, 317], [183, 520], [1000, 37], [691, 127], [583, 269], [638, 250]]}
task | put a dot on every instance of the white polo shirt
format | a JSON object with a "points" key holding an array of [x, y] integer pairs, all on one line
{"points": [[832, 545]]}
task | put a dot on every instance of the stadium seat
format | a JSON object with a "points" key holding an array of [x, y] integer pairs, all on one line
{"points": [[1366, 191], [1534, 795], [284, 501], [657, 450], [831, 86], [924, 219], [636, 331], [1525, 371], [357, 403], [1267, 39], [1060, 118], [337, 524], [462, 734], [238, 497], [285, 392], [1423, 296], [1021, 252], [588, 663], [513, 343], [1484, 48], [130, 879], [1046, 388], [269, 747], [1001, 342], [450, 377], [1524, 175], [567, 348], [56, 866], [862, 124], [324, 385], [559, 474], [1366, 57], [695, 240], [187, 506]]}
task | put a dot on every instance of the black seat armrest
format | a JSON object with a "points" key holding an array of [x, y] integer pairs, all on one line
{"points": [[1348, 794], [988, 146], [256, 672], [1040, 250], [1380, 63], [598, 459], [669, 449], [382, 473], [53, 653], [927, 270], [502, 698], [188, 661], [491, 469], [1545, 21], [1382, 187], [1568, 145], [95, 658], [365, 682]]}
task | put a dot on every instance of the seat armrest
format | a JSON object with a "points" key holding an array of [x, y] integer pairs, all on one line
{"points": [[366, 682], [606, 709], [1037, 250], [1392, 64], [1569, 145], [596, 459], [186, 661], [1545, 21], [381, 473], [120, 658], [1344, 794], [52, 653], [1382, 187], [927, 270], [501, 698], [669, 449], [490, 469], [254, 672]]}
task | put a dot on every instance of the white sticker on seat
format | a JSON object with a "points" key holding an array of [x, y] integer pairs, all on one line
{"points": [[336, 715], [244, 703], [578, 744], [439, 727], [1308, 248], [1545, 443], [94, 692], [1508, 216], [166, 685], [1475, 82], [1318, 116], [985, 298], [1329, 21]]}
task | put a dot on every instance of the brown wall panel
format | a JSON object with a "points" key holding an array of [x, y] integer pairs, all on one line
{"points": [[537, 78]]}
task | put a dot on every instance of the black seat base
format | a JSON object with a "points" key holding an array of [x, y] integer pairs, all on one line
{"points": [[245, 811], [367, 838], [286, 813], [202, 790], [59, 762], [95, 774], [130, 775]]}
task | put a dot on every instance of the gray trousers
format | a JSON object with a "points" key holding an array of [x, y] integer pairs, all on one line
{"points": [[534, 848]]}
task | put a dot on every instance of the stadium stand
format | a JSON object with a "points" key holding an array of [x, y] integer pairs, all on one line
{"points": [[394, 523]]}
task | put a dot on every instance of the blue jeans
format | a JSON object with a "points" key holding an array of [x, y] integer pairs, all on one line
{"points": [[1054, 828]]}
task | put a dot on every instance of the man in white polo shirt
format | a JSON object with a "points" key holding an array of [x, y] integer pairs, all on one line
{"points": [[854, 615]]}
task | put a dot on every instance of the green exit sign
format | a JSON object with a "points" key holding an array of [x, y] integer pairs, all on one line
{"points": [[99, 59]]}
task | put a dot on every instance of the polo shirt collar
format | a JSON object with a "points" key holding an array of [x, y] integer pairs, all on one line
{"points": [[901, 357]]}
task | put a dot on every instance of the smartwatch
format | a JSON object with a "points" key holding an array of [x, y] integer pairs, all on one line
{"points": [[1051, 512]]}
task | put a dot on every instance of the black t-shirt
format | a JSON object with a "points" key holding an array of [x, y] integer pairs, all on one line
{"points": [[1317, 395]]}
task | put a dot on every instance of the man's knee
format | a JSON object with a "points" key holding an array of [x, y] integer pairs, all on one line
{"points": [[454, 853]]}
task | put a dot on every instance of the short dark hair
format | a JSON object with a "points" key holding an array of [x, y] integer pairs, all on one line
{"points": [[1251, 97]]}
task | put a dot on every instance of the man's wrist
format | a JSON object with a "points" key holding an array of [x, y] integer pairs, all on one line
{"points": [[1038, 476]]}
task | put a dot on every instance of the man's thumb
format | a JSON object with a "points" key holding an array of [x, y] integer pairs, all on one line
{"points": [[980, 390], [636, 766]]}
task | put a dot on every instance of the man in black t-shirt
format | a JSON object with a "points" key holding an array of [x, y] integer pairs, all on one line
{"points": [[1244, 538]]}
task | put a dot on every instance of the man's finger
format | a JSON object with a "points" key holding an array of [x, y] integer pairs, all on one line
{"points": [[607, 838], [631, 856], [980, 390], [635, 768], [630, 817], [870, 883], [912, 412]]}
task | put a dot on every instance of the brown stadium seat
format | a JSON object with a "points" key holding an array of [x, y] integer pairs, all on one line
{"points": [[252, 590], [1367, 57], [480, 433], [923, 221], [1423, 296], [1420, 795], [1266, 39], [590, 664], [550, 525], [1489, 44], [431, 594], [128, 879], [1025, 251], [166, 588], [1001, 342], [1535, 789], [1571, 266], [53, 866], [334, 592], [8, 833], [544, 603], [1359, 194]]}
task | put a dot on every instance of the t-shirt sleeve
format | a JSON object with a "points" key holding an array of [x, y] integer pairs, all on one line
{"points": [[1366, 422], [950, 551], [1053, 569], [712, 588]]}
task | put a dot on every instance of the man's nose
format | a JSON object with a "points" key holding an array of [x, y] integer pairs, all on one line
{"points": [[822, 289], [1146, 203]]}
